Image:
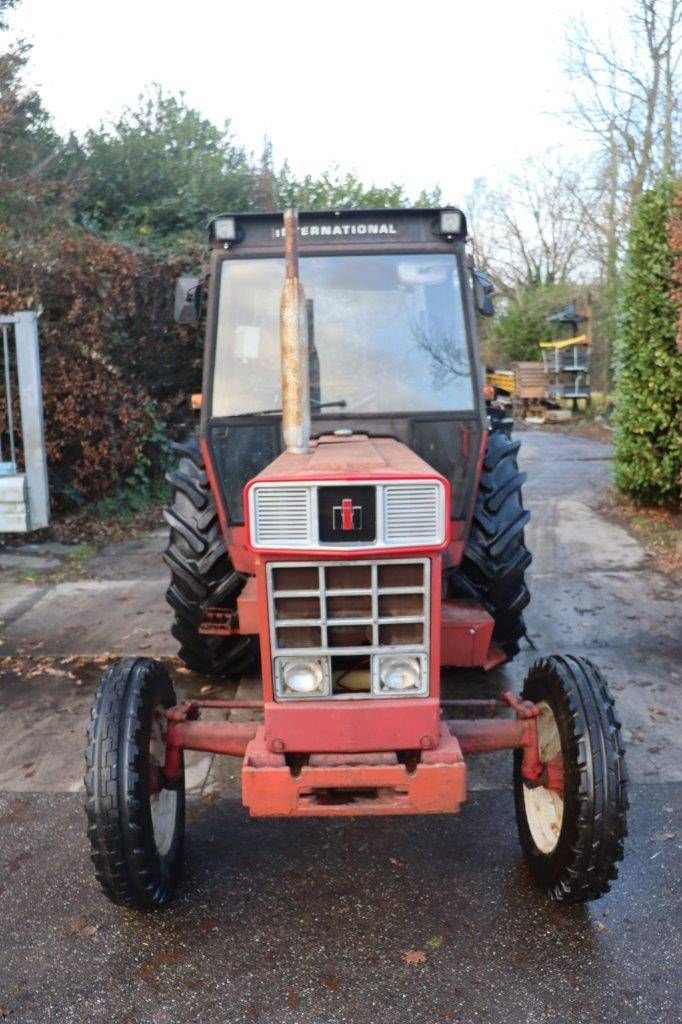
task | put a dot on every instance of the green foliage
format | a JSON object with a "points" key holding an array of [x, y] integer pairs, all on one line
{"points": [[336, 190], [31, 175], [159, 172], [648, 366], [522, 321]]}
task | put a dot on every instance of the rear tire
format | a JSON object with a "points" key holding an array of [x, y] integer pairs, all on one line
{"points": [[572, 833], [202, 575], [492, 570], [136, 831]]}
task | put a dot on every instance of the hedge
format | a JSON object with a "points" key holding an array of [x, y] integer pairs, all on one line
{"points": [[648, 363], [115, 368]]}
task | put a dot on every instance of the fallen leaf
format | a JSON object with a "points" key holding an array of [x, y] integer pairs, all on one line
{"points": [[148, 972], [435, 942], [660, 837], [331, 983], [4, 1012], [414, 956], [15, 863], [169, 956], [396, 863], [207, 926], [292, 1000], [80, 926], [600, 926]]}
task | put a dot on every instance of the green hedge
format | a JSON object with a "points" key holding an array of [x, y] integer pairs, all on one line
{"points": [[648, 366]]}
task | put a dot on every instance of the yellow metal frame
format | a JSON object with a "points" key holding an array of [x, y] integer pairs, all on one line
{"points": [[580, 339], [501, 379]]}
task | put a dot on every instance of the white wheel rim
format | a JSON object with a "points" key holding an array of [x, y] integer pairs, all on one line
{"points": [[164, 803], [545, 807]]}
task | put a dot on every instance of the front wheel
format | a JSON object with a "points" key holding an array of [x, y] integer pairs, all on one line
{"points": [[572, 823], [135, 824]]}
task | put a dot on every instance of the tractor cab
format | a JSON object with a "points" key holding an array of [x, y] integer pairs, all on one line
{"points": [[388, 323]]}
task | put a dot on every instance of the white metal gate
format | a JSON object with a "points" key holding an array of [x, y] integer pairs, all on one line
{"points": [[24, 494]]}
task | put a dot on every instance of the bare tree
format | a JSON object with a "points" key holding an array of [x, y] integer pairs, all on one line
{"points": [[530, 231], [626, 92], [626, 96]]}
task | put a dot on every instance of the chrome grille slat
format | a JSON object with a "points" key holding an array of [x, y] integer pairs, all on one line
{"points": [[412, 513], [283, 516]]}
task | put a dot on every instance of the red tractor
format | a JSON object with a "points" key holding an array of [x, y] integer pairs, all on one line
{"points": [[351, 515]]}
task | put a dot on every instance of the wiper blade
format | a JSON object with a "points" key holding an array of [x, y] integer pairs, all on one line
{"points": [[317, 405]]}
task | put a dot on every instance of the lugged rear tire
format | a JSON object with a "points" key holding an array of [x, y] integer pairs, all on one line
{"points": [[492, 571], [573, 847], [202, 575]]}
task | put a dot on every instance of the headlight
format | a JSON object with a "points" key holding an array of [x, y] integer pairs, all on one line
{"points": [[225, 229], [400, 674], [301, 677], [452, 222]]}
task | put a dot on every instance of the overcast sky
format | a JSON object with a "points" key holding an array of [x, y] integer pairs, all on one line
{"points": [[426, 93]]}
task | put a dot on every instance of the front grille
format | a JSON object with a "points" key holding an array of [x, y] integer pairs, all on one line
{"points": [[412, 513], [283, 517], [396, 514], [348, 612]]}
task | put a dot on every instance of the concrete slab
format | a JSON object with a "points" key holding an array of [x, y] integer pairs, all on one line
{"points": [[567, 537], [44, 714], [15, 599], [27, 562], [138, 558], [635, 611], [91, 617]]}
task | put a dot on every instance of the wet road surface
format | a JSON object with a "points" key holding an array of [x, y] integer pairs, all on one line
{"points": [[298, 921]]}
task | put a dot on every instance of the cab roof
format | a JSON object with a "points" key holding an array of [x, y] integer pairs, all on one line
{"points": [[324, 229]]}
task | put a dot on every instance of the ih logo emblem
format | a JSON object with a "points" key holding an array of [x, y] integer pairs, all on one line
{"points": [[347, 516]]}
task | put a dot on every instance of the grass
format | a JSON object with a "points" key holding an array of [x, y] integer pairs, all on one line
{"points": [[80, 554]]}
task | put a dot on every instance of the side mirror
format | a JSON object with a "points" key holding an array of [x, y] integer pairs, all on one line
{"points": [[187, 300], [484, 289]]}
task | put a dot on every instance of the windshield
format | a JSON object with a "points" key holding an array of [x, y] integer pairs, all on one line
{"points": [[386, 334]]}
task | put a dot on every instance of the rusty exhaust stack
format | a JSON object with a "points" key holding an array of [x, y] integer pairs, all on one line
{"points": [[294, 346]]}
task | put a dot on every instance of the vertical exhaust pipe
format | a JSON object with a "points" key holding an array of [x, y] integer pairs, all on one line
{"points": [[294, 346]]}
